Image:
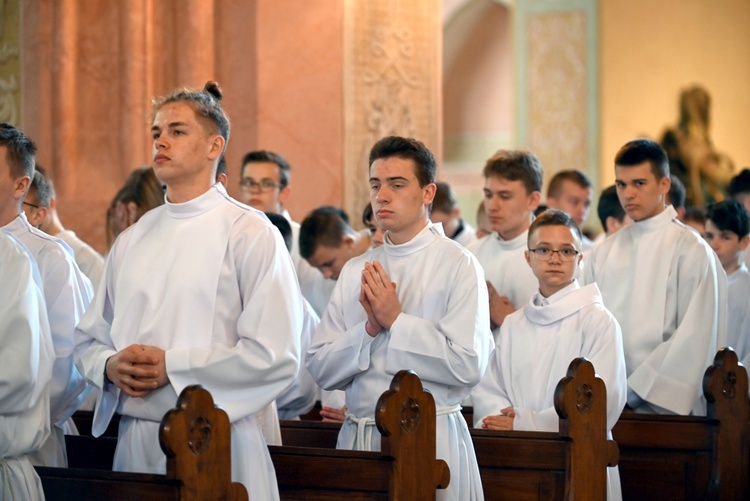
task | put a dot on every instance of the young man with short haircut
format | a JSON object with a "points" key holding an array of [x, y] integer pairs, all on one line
{"points": [[419, 302], [512, 189], [199, 290], [445, 210], [327, 242], [563, 321], [611, 214], [571, 191], [739, 189], [728, 234], [665, 287], [265, 182], [67, 292]]}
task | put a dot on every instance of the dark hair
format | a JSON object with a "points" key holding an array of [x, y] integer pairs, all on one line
{"points": [[554, 189], [40, 187], [142, 188], [609, 206], [696, 215], [20, 150], [283, 226], [47, 180], [639, 151], [407, 149], [516, 165], [730, 215], [554, 217], [321, 227], [206, 103], [445, 199], [676, 192], [269, 156], [367, 216], [332, 208], [740, 183]]}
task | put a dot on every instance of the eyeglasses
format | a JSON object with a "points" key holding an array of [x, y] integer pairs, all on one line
{"points": [[264, 184], [31, 205], [544, 254]]}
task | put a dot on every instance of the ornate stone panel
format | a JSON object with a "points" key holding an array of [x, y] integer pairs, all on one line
{"points": [[391, 83], [10, 61]]}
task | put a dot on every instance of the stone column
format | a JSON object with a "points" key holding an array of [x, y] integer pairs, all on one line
{"points": [[392, 83]]}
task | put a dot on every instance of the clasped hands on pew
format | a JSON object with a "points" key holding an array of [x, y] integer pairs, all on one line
{"points": [[500, 422], [137, 370]]}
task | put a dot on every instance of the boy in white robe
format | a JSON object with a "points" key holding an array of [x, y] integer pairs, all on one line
{"points": [[728, 234], [445, 210], [67, 292], [327, 242], [199, 290], [739, 189], [665, 287], [571, 191], [265, 181], [26, 357], [417, 302], [512, 189], [563, 321]]}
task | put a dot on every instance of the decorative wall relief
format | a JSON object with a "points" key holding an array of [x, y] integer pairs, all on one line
{"points": [[557, 83], [391, 83], [10, 61]]}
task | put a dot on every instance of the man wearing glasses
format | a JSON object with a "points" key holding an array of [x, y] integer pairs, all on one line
{"points": [[264, 181], [536, 344]]}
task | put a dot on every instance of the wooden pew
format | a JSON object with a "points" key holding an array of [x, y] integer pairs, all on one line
{"points": [[527, 465], [403, 469], [687, 457], [195, 436]]}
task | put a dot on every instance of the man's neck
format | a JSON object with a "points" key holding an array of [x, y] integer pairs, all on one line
{"points": [[178, 194], [732, 267], [52, 225], [10, 213], [515, 232]]}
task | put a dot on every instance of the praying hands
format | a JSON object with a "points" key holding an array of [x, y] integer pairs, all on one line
{"points": [[378, 298]]}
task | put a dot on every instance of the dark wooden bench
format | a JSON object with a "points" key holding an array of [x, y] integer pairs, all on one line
{"points": [[195, 437], [687, 457], [527, 465], [405, 468]]}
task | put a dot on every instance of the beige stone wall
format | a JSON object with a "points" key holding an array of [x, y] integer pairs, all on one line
{"points": [[651, 50]]}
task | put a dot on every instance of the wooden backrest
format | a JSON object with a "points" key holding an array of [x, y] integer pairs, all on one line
{"points": [[405, 416], [308, 466], [581, 403], [196, 438], [691, 457], [725, 387]]}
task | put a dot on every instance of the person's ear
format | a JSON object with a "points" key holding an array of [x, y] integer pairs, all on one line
{"points": [[428, 193], [284, 194], [744, 241], [534, 199], [21, 187], [527, 255], [217, 147], [222, 178], [348, 241]]}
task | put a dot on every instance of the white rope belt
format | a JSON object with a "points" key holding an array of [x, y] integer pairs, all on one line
{"points": [[366, 425]]}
